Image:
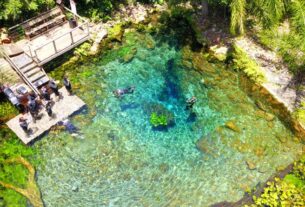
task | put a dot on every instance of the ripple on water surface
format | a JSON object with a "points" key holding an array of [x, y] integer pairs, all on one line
{"points": [[197, 161]]}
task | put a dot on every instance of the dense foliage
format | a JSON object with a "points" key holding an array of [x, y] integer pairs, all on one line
{"points": [[289, 191], [14, 10]]}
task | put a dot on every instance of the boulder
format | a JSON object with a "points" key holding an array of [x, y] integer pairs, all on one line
{"points": [[203, 145], [218, 53]]}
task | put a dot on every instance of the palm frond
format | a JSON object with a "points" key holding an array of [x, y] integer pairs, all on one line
{"points": [[297, 9], [238, 11]]}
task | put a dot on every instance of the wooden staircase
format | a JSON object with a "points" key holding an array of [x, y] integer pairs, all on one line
{"points": [[28, 70]]}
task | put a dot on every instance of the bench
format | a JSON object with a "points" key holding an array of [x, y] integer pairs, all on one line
{"points": [[44, 22]]}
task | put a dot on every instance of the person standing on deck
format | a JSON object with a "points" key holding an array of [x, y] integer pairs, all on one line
{"points": [[54, 88], [67, 85], [45, 93], [33, 109], [49, 109], [24, 125]]}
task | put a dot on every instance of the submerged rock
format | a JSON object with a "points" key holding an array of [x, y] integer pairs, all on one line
{"points": [[251, 165], [187, 64], [150, 43], [129, 57], [205, 147], [116, 32], [231, 125]]}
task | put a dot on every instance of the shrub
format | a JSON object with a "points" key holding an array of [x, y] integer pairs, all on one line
{"points": [[280, 193], [242, 62]]}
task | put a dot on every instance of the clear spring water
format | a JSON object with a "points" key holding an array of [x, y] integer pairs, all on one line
{"points": [[123, 161]]}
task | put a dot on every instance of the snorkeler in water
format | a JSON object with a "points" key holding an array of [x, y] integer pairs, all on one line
{"points": [[190, 103], [121, 92], [73, 130]]}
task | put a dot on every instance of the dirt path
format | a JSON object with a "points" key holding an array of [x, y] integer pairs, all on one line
{"points": [[279, 81]]}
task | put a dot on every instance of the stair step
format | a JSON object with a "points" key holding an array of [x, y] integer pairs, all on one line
{"points": [[32, 72], [41, 81], [36, 76], [28, 67], [21, 60]]}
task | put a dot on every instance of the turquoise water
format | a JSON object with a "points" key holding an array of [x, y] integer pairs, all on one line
{"points": [[121, 160]]}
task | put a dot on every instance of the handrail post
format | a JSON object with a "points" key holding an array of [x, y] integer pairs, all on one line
{"points": [[30, 51], [35, 51], [54, 45], [72, 40]]}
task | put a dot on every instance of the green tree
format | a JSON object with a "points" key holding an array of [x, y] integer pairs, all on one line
{"points": [[15, 9]]}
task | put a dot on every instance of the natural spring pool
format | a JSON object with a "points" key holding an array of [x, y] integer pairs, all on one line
{"points": [[123, 161]]}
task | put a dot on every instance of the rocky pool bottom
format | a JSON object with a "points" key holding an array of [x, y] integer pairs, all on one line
{"points": [[222, 148]]}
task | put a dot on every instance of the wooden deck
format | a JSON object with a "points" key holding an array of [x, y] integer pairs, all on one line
{"points": [[62, 109], [55, 42]]}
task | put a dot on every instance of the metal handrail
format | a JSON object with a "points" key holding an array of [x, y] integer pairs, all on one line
{"points": [[26, 21], [82, 18], [19, 72], [53, 40]]}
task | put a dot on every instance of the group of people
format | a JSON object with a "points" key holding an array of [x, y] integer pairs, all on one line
{"points": [[36, 103], [119, 93]]}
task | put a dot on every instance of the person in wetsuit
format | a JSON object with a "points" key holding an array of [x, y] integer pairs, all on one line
{"points": [[67, 85], [24, 125], [49, 109], [54, 88], [190, 103], [120, 92]]}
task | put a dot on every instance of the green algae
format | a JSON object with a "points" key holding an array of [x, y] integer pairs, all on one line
{"points": [[15, 174]]}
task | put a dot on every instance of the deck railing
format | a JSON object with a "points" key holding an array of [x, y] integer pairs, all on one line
{"points": [[60, 44], [16, 32]]}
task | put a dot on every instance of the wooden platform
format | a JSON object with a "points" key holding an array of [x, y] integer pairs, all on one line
{"points": [[62, 109], [55, 42]]}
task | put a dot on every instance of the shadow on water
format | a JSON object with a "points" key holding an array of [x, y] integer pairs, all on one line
{"points": [[164, 128], [191, 118], [171, 89], [129, 106]]}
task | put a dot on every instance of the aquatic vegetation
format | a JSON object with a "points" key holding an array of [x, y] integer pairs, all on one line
{"points": [[289, 191], [242, 62], [158, 120], [13, 173], [116, 32], [83, 50], [30, 189], [299, 169], [300, 113], [280, 193], [7, 111]]}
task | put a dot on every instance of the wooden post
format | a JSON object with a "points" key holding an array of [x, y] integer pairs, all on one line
{"points": [[73, 6]]}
